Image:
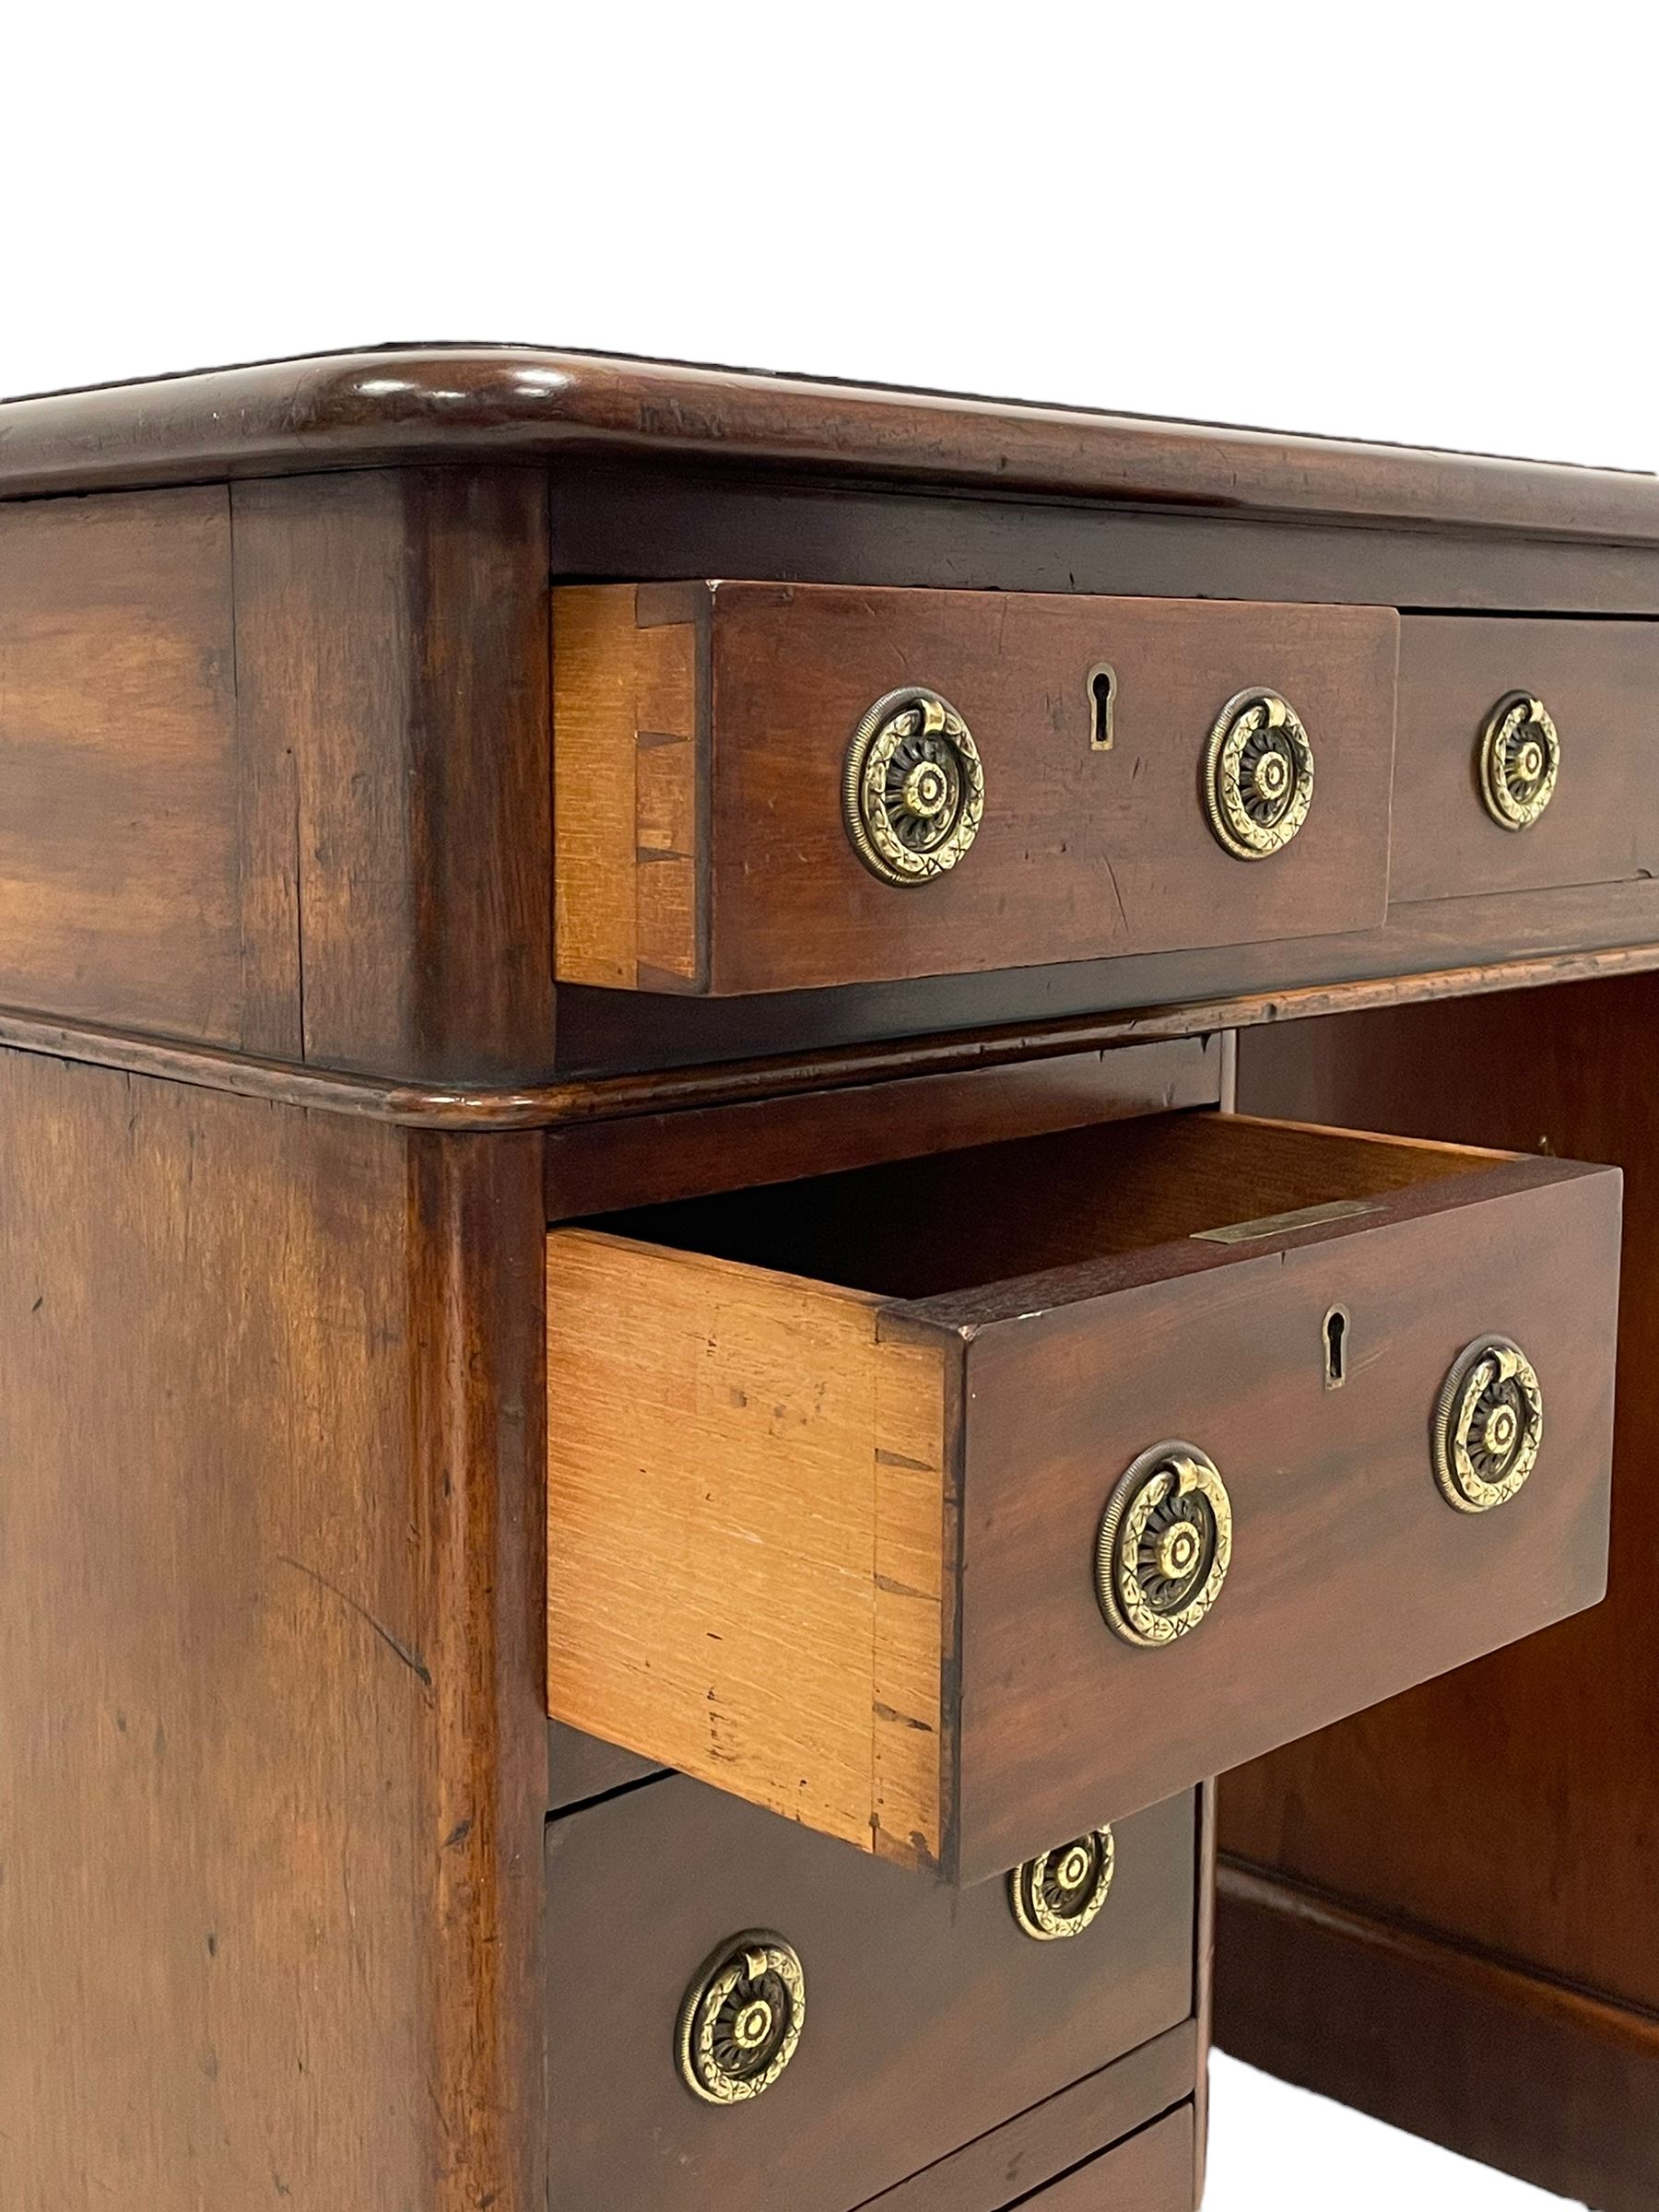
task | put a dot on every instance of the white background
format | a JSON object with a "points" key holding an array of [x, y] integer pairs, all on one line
{"points": [[1426, 223]]}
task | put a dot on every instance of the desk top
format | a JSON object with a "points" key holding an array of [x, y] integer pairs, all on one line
{"points": [[449, 402]]}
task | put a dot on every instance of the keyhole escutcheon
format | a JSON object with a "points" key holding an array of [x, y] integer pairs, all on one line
{"points": [[1102, 702], [1337, 1326]]}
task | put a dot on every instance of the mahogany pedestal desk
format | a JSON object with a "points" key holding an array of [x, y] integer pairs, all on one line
{"points": [[705, 1286]]}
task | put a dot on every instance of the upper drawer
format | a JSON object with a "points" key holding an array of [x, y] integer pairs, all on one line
{"points": [[1475, 755], [950, 1569], [762, 787]]}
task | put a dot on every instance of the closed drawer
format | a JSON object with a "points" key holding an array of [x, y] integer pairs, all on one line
{"points": [[1468, 773], [866, 1493], [930, 2018], [1154, 2172], [707, 838]]}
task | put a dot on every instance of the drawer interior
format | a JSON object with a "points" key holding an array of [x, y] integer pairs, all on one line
{"points": [[923, 1228]]}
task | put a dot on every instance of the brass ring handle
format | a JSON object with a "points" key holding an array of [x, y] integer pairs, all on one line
{"points": [[1165, 1544], [1258, 774], [1520, 760], [1489, 1425], [1060, 1892], [741, 2020], [913, 789]]}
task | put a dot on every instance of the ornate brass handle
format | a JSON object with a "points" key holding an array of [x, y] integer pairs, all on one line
{"points": [[1520, 758], [742, 2019], [1489, 1425], [1258, 774], [914, 791], [1060, 1893], [1165, 1544]]}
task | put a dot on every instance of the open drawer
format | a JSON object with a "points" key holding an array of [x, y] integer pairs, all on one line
{"points": [[958, 1507]]}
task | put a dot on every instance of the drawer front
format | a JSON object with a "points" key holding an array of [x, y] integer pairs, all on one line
{"points": [[1013, 2162], [704, 735], [930, 2017], [1351, 1576], [1599, 683], [1154, 2172], [840, 1552]]}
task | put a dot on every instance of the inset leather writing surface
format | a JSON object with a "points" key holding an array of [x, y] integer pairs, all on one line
{"points": [[930, 2017], [705, 730]]}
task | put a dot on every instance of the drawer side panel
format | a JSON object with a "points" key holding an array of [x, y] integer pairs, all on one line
{"points": [[629, 798], [747, 1529]]}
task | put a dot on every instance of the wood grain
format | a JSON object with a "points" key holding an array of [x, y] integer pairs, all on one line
{"points": [[1154, 2172], [1487, 2057], [1336, 1515], [273, 1768], [644, 1160], [1079, 852], [426, 615], [931, 2018], [1505, 1811], [628, 766], [244, 800], [743, 1471], [124, 887], [899, 1059], [581, 1768], [793, 1494], [1002, 2168], [1204, 1979], [351, 409], [1600, 681], [391, 644], [645, 518], [1490, 941]]}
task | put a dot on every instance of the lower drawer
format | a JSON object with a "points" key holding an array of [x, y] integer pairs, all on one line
{"points": [[926, 2016], [1154, 2172]]}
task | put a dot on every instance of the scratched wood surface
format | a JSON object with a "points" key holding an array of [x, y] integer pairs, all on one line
{"points": [[126, 883], [274, 1767]]}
